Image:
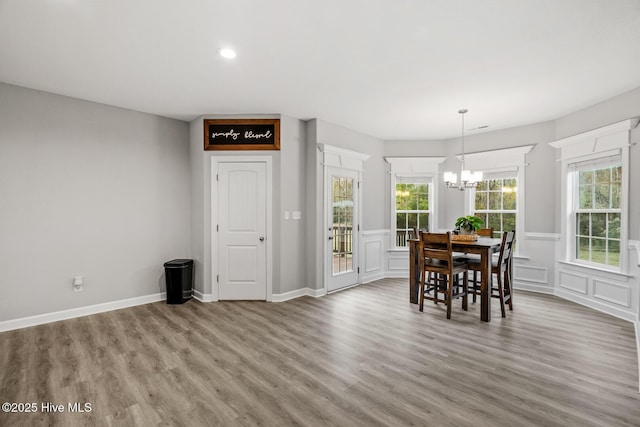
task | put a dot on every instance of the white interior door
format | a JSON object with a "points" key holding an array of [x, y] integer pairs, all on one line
{"points": [[343, 228], [242, 213]]}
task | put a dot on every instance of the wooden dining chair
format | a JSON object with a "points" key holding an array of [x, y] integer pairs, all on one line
{"points": [[440, 272], [417, 231], [485, 232], [482, 232], [502, 269]]}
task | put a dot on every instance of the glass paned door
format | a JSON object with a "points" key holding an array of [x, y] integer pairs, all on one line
{"points": [[342, 228]]}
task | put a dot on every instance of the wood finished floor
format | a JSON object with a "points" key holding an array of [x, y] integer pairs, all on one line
{"points": [[361, 357]]}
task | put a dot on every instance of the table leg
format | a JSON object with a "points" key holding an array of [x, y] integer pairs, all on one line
{"points": [[485, 286], [414, 273]]}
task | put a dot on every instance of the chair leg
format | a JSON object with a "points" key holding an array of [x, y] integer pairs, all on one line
{"points": [[449, 296], [501, 294], [422, 286], [475, 285], [465, 289], [507, 284]]}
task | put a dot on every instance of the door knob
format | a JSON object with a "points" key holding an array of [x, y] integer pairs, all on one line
{"points": [[261, 239]]}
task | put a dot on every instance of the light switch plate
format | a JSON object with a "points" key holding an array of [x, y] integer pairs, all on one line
{"points": [[286, 214], [297, 215]]}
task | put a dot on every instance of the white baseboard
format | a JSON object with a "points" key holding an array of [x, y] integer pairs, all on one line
{"points": [[637, 325], [621, 314], [297, 294], [373, 277], [25, 322], [400, 274], [203, 297], [532, 287]]}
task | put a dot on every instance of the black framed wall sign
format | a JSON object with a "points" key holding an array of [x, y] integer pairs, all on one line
{"points": [[242, 134]]}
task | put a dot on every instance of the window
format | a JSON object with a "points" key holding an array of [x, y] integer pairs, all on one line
{"points": [[499, 199], [413, 207], [496, 203], [413, 196], [597, 190], [595, 197]]}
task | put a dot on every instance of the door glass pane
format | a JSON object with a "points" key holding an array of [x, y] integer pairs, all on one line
{"points": [[342, 225]]}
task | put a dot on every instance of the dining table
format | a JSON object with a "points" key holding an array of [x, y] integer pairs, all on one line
{"points": [[483, 246]]}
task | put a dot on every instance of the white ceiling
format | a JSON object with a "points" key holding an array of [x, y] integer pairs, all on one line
{"points": [[394, 69]]}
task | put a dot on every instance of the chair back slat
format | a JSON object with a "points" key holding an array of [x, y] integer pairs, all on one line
{"points": [[437, 246], [506, 249], [485, 232]]}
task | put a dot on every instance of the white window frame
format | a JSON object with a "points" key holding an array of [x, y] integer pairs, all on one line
{"points": [[429, 183], [597, 144], [574, 186], [487, 177], [419, 168], [507, 161]]}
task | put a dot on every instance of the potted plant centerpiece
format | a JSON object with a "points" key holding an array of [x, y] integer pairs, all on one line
{"points": [[468, 224]]}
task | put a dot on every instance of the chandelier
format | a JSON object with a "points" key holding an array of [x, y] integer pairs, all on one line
{"points": [[468, 179]]}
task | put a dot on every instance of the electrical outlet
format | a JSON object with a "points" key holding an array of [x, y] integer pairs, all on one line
{"points": [[78, 284]]}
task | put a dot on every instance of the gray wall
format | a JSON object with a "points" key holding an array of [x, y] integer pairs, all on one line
{"points": [[541, 198], [374, 212], [313, 202], [539, 174], [289, 253], [98, 191], [421, 148], [613, 110], [293, 180], [375, 215], [86, 189]]}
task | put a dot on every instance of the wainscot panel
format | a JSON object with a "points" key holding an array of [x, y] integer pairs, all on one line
{"points": [[373, 255]]}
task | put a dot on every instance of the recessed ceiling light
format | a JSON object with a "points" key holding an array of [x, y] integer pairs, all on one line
{"points": [[228, 53]]}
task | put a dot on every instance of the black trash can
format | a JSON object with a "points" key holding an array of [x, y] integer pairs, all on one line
{"points": [[179, 277]]}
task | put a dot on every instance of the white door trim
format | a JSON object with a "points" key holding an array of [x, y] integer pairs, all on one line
{"points": [[357, 220], [215, 160], [340, 158]]}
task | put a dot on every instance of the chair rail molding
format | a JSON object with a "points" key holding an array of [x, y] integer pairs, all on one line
{"points": [[542, 236]]}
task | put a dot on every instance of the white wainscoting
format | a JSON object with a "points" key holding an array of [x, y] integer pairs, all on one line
{"points": [[534, 261], [612, 293], [533, 265], [398, 263], [373, 250]]}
